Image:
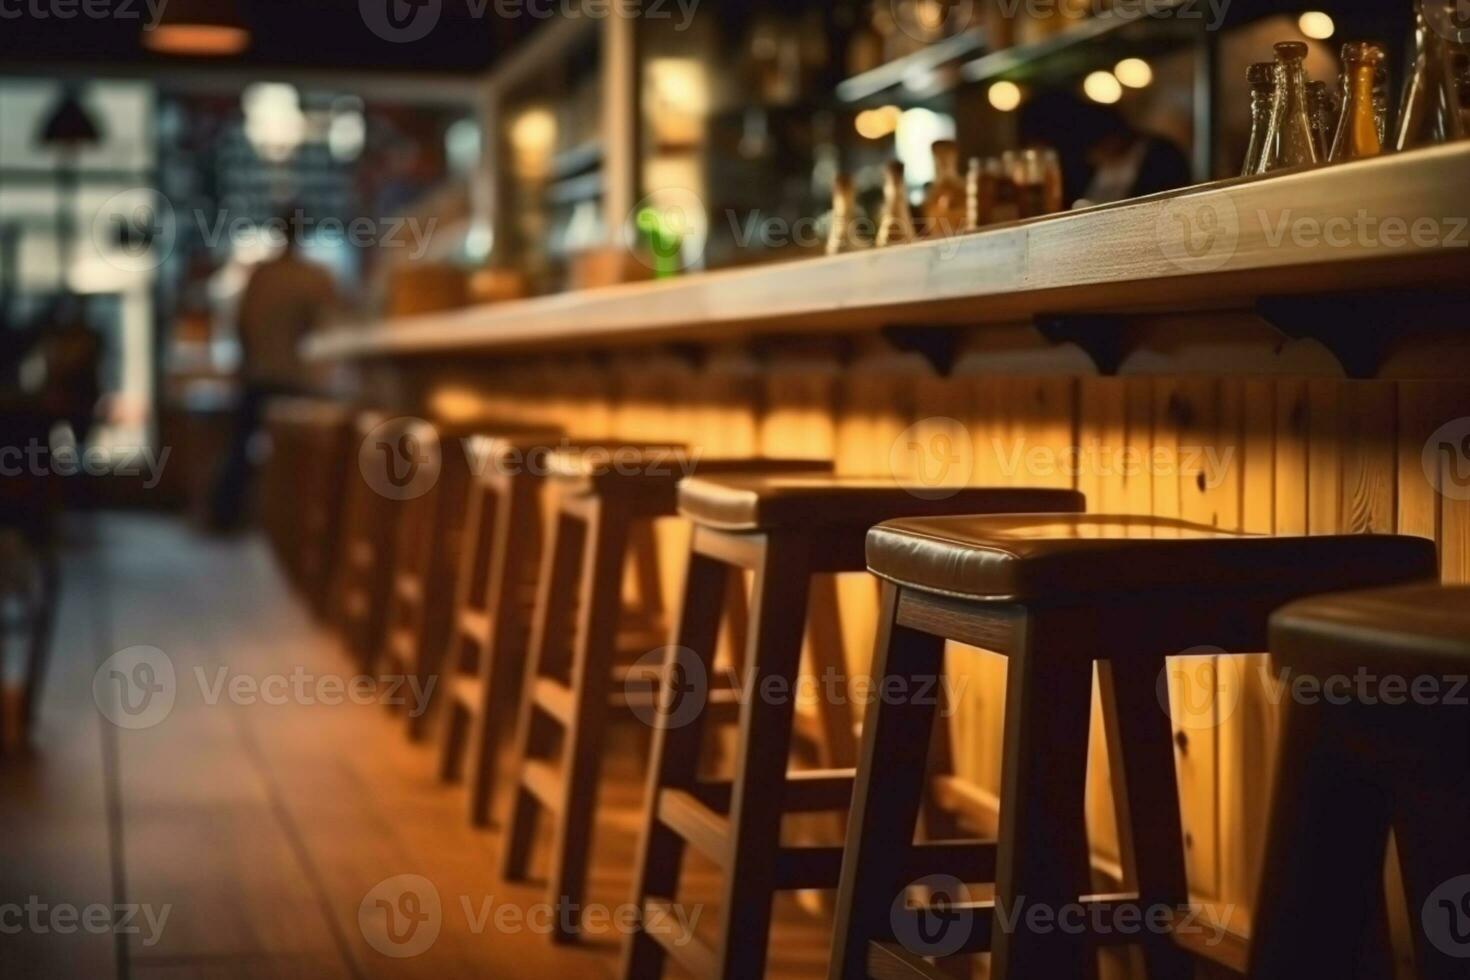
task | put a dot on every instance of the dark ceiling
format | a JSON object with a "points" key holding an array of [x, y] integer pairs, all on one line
{"points": [[327, 34]]}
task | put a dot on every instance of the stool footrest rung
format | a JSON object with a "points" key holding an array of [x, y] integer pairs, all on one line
{"points": [[887, 961], [408, 590], [556, 699], [467, 692], [1085, 910], [542, 781], [474, 624], [399, 649], [806, 791], [663, 925]]}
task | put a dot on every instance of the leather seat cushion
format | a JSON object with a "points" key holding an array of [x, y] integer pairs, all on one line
{"points": [[749, 503], [1411, 629], [1040, 557]]}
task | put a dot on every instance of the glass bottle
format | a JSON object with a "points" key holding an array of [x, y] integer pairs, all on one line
{"points": [[1001, 172], [1289, 141], [844, 233], [979, 196], [945, 205], [1262, 79], [1444, 88], [897, 224], [1051, 166], [1421, 111], [1380, 105], [1457, 92], [1357, 130], [1030, 178], [1323, 109]]}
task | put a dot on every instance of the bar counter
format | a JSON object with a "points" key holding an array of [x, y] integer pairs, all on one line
{"points": [[1284, 354]]}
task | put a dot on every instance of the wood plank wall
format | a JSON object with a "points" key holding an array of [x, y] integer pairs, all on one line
{"points": [[1297, 448]]}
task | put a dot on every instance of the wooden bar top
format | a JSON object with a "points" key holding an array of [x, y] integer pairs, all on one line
{"points": [[1401, 220]]}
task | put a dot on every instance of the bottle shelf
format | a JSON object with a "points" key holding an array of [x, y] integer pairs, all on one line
{"points": [[1387, 222]]}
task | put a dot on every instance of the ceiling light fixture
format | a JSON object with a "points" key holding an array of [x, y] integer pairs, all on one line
{"points": [[201, 28]]}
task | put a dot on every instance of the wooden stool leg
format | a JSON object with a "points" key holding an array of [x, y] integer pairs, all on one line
{"points": [[1324, 854], [778, 620], [675, 754], [647, 573], [829, 663], [42, 628], [1042, 852], [549, 636], [517, 527], [1434, 846], [888, 791], [1146, 796], [463, 650], [583, 746]]}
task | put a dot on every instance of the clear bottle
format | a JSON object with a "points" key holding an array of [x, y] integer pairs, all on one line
{"points": [[1262, 79], [1289, 142], [1424, 116], [945, 203], [1323, 108], [1380, 105], [1457, 92], [897, 223], [845, 233], [1357, 131]]}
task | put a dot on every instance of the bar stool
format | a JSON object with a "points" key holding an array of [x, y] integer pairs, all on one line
{"points": [[493, 597], [1376, 735], [786, 530], [600, 497], [302, 488], [425, 558], [1057, 596], [373, 503]]}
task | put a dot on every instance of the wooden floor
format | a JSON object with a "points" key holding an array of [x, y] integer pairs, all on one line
{"points": [[265, 833]]}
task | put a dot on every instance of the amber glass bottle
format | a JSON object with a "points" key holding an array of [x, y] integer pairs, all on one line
{"points": [[945, 204], [1357, 131], [845, 233]]}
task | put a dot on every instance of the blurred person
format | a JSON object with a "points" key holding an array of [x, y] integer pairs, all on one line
{"points": [[1104, 157], [286, 298]]}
